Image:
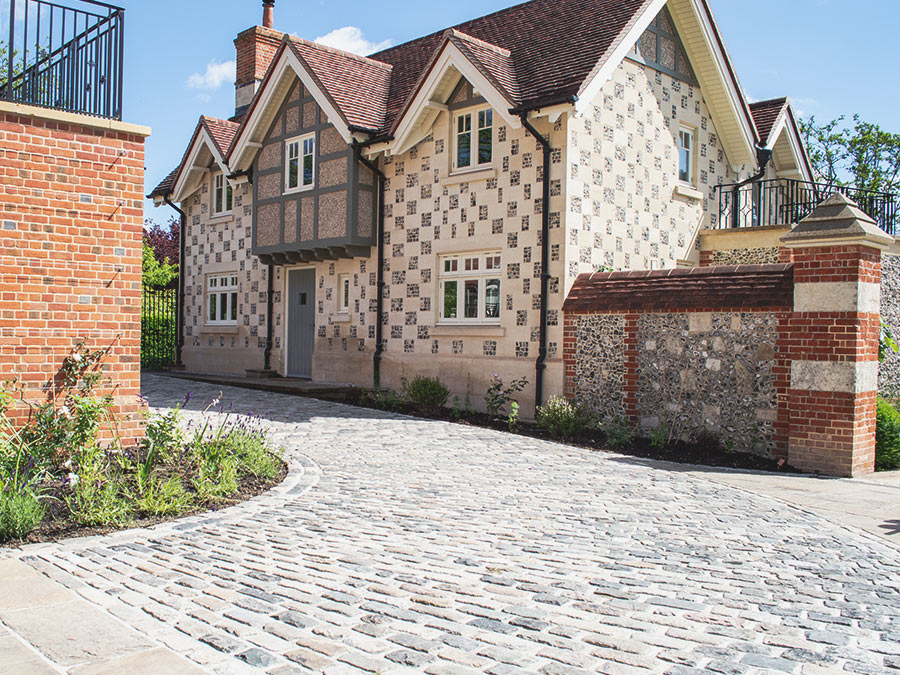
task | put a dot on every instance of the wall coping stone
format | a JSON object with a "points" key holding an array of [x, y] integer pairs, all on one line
{"points": [[74, 118]]}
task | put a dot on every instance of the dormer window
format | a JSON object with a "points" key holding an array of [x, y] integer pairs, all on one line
{"points": [[299, 162], [474, 139], [222, 196]]}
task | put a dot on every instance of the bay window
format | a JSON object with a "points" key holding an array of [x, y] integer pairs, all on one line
{"points": [[222, 300], [470, 288], [474, 139]]}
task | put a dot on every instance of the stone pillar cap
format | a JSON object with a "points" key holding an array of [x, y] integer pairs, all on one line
{"points": [[837, 220]]}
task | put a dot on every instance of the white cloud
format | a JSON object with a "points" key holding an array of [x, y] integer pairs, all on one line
{"points": [[351, 39], [216, 74]]}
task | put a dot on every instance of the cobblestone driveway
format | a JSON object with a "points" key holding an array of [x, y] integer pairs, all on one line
{"points": [[425, 546]]}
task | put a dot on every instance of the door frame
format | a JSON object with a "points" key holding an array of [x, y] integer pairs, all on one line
{"points": [[285, 295]]}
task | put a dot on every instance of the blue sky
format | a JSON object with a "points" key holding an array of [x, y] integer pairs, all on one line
{"points": [[831, 61]]}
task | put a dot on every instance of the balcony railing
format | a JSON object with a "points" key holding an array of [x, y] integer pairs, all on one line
{"points": [[783, 201], [65, 55]]}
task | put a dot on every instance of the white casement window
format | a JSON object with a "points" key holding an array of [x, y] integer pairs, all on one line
{"points": [[686, 155], [470, 288], [474, 139], [221, 300], [222, 195], [343, 303], [300, 164]]}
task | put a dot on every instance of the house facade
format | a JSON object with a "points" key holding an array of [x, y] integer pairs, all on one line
{"points": [[471, 175]]}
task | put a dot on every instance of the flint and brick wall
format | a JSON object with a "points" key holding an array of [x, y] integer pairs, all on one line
{"points": [[778, 359], [889, 369], [692, 350], [71, 215]]}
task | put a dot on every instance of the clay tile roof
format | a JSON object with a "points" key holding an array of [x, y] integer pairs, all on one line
{"points": [[735, 287], [166, 184], [553, 46], [358, 86], [221, 131], [494, 62], [766, 114]]}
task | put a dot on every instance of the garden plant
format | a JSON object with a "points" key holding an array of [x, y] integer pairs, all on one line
{"points": [[66, 470]]}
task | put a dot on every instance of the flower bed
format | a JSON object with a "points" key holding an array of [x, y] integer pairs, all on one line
{"points": [[57, 479]]}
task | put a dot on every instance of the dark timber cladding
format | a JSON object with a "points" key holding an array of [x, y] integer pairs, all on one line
{"points": [[333, 219]]}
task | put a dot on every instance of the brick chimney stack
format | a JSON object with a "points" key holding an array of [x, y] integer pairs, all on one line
{"points": [[255, 47]]}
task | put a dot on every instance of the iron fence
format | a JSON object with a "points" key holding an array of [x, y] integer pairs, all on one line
{"points": [[784, 201], [66, 55], [159, 325]]}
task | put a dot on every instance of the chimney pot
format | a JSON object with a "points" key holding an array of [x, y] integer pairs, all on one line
{"points": [[269, 13]]}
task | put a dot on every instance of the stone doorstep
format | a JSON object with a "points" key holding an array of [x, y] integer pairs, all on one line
{"points": [[70, 634]]}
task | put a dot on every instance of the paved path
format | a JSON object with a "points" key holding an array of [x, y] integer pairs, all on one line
{"points": [[422, 546], [871, 503]]}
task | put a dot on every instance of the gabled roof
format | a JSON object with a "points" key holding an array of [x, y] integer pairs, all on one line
{"points": [[221, 131], [766, 114], [494, 62], [221, 134], [536, 54], [357, 86], [553, 46], [778, 130]]}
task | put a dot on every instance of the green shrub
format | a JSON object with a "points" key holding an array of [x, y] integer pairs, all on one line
{"points": [[563, 418], [887, 437], [383, 399], [99, 501], [164, 435], [498, 397], [426, 394], [253, 453], [659, 437], [20, 513], [163, 497], [618, 432]]}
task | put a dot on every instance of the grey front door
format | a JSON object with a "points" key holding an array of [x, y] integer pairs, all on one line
{"points": [[301, 328]]}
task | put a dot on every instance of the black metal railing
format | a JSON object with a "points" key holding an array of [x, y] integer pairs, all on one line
{"points": [[65, 55], [159, 325], [783, 201]]}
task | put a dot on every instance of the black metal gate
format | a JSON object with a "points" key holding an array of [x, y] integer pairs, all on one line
{"points": [[159, 325]]}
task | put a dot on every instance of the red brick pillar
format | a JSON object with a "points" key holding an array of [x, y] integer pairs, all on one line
{"points": [[832, 339]]}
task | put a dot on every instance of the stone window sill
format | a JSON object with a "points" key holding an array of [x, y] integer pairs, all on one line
{"points": [[688, 191], [221, 218], [340, 317], [467, 330], [469, 176], [221, 330]]}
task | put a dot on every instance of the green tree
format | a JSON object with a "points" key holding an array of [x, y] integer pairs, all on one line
{"points": [[873, 157], [156, 273], [863, 155], [826, 146]]}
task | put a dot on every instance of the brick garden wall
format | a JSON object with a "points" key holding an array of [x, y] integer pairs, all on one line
{"points": [[71, 213]]}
